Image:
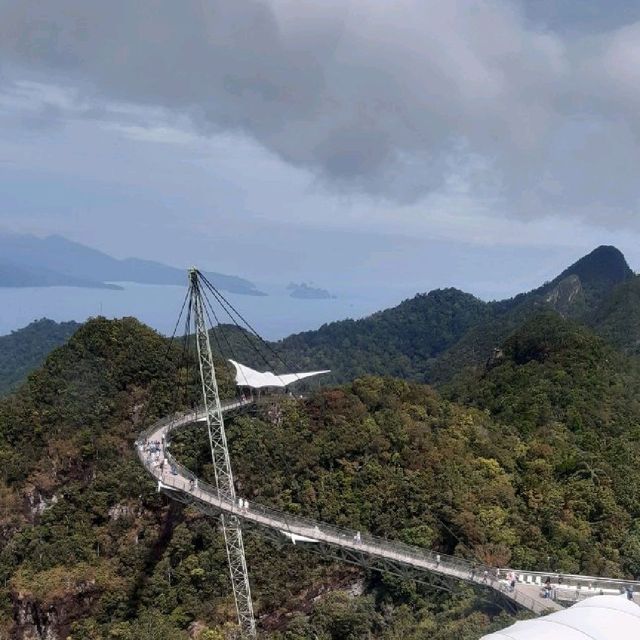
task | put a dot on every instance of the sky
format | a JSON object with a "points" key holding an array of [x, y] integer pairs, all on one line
{"points": [[398, 146]]}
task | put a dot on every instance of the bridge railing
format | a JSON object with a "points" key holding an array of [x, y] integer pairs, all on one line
{"points": [[589, 585], [333, 534], [400, 552], [295, 521], [186, 417]]}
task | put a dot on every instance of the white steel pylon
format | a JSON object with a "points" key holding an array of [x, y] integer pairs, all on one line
{"points": [[221, 463]]}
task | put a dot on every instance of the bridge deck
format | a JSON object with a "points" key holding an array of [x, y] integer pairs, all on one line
{"points": [[173, 477]]}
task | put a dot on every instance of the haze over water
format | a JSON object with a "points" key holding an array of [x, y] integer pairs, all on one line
{"points": [[274, 316]]}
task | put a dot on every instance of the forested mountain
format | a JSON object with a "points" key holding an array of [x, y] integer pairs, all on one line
{"points": [[23, 350], [431, 337], [531, 461], [580, 292], [617, 319], [89, 549], [397, 341], [581, 287], [575, 401]]}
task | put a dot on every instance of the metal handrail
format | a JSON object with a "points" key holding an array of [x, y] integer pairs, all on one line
{"points": [[376, 546]]}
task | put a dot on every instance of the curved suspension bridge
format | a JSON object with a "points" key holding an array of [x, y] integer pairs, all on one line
{"points": [[537, 592], [352, 546]]}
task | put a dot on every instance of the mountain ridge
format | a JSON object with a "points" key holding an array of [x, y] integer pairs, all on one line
{"points": [[577, 292], [56, 261], [24, 350], [431, 336], [89, 549]]}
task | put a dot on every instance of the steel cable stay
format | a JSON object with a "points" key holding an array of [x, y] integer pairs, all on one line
{"points": [[225, 304], [234, 315], [219, 327], [185, 356], [165, 359], [233, 311]]}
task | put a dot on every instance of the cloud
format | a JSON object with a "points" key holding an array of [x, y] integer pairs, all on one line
{"points": [[397, 100]]}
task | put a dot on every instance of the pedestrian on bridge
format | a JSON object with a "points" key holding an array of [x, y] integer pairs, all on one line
{"points": [[438, 561]]}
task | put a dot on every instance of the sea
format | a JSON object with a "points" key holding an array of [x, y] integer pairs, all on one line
{"points": [[274, 316]]}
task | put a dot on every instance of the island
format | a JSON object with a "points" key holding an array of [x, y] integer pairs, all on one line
{"points": [[307, 291]]}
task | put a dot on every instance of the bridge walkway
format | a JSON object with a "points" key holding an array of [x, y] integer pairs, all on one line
{"points": [[175, 479]]}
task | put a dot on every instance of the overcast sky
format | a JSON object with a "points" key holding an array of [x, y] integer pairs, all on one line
{"points": [[410, 144]]}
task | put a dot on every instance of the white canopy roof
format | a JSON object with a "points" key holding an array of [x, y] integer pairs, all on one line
{"points": [[247, 377], [596, 618]]}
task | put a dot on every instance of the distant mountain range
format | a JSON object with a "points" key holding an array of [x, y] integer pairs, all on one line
{"points": [[29, 261], [434, 336]]}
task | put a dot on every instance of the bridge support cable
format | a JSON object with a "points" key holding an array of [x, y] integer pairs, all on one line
{"points": [[246, 329], [230, 523]]}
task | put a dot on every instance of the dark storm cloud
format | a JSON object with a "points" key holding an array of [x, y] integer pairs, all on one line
{"points": [[584, 15], [393, 99]]}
